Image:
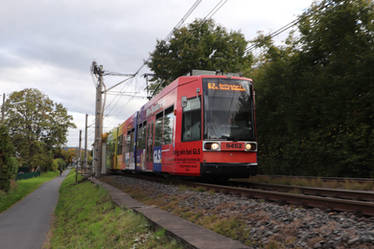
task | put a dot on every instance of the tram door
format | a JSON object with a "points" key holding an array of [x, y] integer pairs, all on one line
{"points": [[168, 141], [189, 142], [149, 145], [129, 150]]}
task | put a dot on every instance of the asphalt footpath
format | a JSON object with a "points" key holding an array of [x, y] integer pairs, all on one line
{"points": [[25, 225]]}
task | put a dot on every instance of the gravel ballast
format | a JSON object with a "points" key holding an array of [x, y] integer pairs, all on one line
{"points": [[267, 224]]}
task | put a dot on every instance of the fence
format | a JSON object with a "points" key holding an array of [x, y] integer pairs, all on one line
{"points": [[22, 176]]}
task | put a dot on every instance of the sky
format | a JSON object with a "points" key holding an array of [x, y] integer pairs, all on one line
{"points": [[50, 45]]}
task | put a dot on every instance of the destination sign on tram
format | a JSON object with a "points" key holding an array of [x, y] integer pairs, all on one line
{"points": [[225, 87]]}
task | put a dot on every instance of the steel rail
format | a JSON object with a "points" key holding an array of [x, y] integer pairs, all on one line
{"points": [[326, 192]]}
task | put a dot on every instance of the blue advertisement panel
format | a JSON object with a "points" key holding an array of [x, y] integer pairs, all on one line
{"points": [[157, 159]]}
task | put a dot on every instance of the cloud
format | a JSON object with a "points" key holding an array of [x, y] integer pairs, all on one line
{"points": [[71, 34], [50, 45]]}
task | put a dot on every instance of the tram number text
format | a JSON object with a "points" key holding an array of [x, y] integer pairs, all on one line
{"points": [[234, 146]]}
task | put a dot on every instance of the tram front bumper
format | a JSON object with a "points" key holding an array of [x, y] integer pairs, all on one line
{"points": [[229, 170]]}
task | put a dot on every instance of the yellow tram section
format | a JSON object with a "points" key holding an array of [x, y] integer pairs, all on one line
{"points": [[111, 144], [119, 148]]}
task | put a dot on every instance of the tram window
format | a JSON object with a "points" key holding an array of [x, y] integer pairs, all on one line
{"points": [[168, 126], [149, 142], [191, 120], [128, 139], [150, 152], [119, 147], [158, 129], [131, 141], [144, 134], [141, 136]]}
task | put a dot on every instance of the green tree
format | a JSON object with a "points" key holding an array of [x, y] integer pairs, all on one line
{"points": [[58, 164], [8, 163], [66, 154], [200, 45], [37, 125], [315, 94], [41, 156]]}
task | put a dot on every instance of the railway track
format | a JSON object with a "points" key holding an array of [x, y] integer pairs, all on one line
{"points": [[330, 203], [325, 179], [323, 192], [361, 202]]}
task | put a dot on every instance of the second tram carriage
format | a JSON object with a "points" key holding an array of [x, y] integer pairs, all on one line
{"points": [[200, 125]]}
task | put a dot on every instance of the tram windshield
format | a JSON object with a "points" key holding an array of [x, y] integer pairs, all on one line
{"points": [[228, 110]]}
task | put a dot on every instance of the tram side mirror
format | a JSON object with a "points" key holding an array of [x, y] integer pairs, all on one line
{"points": [[184, 101]]}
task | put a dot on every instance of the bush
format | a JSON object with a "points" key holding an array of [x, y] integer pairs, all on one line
{"points": [[315, 98], [58, 163], [8, 163]]}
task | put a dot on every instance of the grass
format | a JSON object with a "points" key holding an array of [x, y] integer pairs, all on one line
{"points": [[23, 188], [87, 218]]}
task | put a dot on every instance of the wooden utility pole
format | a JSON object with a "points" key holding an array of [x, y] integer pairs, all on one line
{"points": [[80, 149], [98, 70], [85, 144], [79, 158]]}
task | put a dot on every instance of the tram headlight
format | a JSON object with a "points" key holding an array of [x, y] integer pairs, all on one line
{"points": [[212, 146], [248, 146], [215, 146]]}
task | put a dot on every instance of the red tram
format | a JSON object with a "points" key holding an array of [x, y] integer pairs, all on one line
{"points": [[202, 125]]}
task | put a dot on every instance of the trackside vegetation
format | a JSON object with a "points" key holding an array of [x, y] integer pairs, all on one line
{"points": [[314, 92], [8, 161], [87, 218], [23, 188]]}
